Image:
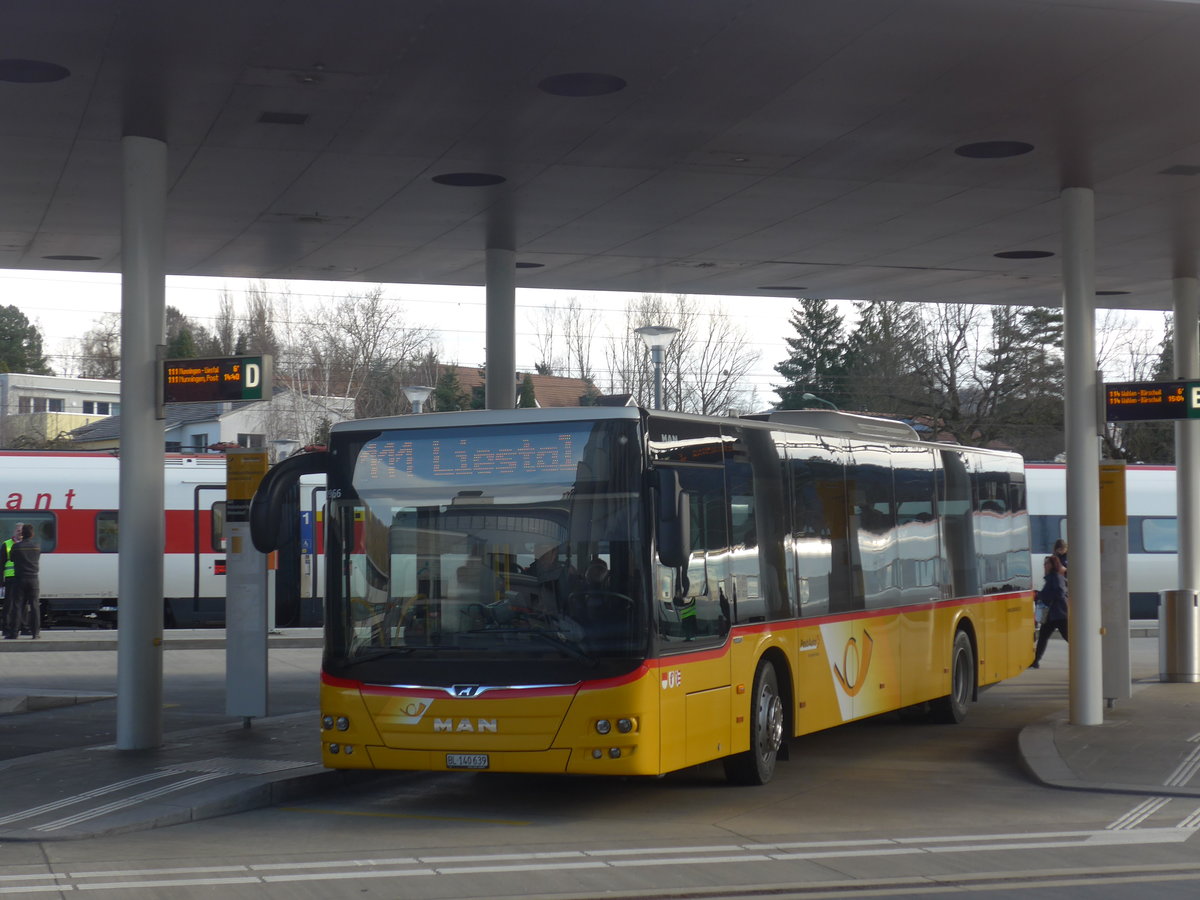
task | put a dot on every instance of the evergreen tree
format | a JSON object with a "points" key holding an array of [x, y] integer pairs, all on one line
{"points": [[814, 363], [525, 399], [448, 394], [885, 361], [21, 344]]}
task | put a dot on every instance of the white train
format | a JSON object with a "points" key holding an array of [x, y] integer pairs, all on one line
{"points": [[71, 501], [1153, 535]]}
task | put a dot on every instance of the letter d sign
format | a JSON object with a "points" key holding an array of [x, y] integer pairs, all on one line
{"points": [[253, 375]]}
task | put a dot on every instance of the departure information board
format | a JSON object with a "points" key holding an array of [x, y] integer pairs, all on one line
{"points": [[1148, 401]]}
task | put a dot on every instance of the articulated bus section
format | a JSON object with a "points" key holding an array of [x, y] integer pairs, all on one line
{"points": [[635, 592], [685, 710]]}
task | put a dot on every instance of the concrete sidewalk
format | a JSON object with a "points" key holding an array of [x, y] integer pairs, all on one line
{"points": [[1148, 745]]}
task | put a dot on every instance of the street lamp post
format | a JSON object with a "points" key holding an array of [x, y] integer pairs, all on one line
{"points": [[814, 398], [417, 395], [657, 338]]}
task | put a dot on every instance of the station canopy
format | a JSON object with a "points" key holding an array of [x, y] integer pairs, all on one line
{"points": [[900, 149]]}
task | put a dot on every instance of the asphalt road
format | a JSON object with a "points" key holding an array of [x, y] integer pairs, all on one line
{"points": [[884, 807]]}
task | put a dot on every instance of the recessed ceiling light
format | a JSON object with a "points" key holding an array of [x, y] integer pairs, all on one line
{"points": [[71, 257], [282, 118], [530, 265], [993, 149], [581, 84], [1023, 254], [783, 287], [469, 179], [31, 71]]}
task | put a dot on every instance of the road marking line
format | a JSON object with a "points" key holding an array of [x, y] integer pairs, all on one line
{"points": [[1139, 813], [1186, 769], [89, 795], [98, 811]]}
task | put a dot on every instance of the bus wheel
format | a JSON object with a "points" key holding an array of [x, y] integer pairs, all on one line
{"points": [[953, 707], [757, 765]]}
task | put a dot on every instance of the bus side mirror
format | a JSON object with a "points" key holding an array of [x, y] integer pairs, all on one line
{"points": [[673, 516], [268, 518]]}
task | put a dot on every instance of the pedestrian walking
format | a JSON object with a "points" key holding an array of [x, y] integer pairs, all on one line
{"points": [[1053, 597]]}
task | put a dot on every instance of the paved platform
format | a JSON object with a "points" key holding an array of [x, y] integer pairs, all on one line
{"points": [[1149, 744]]}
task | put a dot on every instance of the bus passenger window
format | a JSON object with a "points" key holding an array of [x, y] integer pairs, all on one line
{"points": [[106, 531]]}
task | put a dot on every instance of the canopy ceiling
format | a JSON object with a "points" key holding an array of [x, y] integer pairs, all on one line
{"points": [[781, 147]]}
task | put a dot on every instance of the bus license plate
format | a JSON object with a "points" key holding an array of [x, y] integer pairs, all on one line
{"points": [[466, 761]]}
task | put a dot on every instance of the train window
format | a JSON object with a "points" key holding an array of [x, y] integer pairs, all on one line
{"points": [[218, 527], [1160, 535], [106, 531], [45, 527]]}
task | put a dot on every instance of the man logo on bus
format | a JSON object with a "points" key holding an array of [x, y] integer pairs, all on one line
{"points": [[854, 667]]}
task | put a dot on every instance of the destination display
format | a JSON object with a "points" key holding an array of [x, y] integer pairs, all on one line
{"points": [[487, 455], [1148, 401]]}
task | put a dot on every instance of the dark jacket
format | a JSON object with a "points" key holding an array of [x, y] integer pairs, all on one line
{"points": [[1054, 595], [27, 558]]}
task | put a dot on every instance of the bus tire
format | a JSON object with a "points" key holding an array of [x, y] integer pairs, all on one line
{"points": [[757, 765], [952, 708]]}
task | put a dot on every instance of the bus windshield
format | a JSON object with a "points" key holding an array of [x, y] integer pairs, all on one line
{"points": [[489, 542]]}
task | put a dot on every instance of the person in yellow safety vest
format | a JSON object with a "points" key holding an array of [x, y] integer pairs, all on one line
{"points": [[10, 575]]}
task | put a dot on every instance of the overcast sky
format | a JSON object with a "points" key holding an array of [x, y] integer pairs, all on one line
{"points": [[66, 304]]}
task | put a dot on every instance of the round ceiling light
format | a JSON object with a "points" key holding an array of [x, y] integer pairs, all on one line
{"points": [[1023, 254], [993, 149], [469, 179], [581, 84], [31, 71]]}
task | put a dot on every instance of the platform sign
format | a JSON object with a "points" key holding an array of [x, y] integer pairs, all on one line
{"points": [[1150, 401], [221, 378]]}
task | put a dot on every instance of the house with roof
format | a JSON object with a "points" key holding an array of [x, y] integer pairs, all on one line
{"points": [[204, 427], [38, 409], [548, 390]]}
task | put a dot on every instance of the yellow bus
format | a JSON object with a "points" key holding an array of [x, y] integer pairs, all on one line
{"points": [[616, 591]]}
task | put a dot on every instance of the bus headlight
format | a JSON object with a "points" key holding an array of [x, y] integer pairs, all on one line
{"points": [[603, 726], [326, 722], [342, 723], [624, 725]]}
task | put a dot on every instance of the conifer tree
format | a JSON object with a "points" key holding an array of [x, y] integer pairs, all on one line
{"points": [[814, 363]]}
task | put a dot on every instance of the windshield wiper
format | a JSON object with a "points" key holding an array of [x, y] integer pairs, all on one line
{"points": [[550, 638]]}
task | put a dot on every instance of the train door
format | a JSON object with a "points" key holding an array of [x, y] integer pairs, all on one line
{"points": [[195, 579]]}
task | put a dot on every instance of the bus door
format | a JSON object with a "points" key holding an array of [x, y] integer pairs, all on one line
{"points": [[692, 610]]}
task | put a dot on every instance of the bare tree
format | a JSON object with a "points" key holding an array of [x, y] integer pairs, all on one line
{"points": [[358, 346], [704, 367], [100, 349], [564, 337]]}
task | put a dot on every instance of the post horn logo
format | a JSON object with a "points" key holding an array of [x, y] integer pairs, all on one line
{"points": [[853, 662]]}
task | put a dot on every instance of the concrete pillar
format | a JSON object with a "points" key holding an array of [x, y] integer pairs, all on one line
{"points": [[1187, 432], [1083, 454], [501, 387], [140, 566]]}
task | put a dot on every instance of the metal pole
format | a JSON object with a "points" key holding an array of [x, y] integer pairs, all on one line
{"points": [[1083, 454], [501, 384], [656, 356], [1187, 432], [140, 565]]}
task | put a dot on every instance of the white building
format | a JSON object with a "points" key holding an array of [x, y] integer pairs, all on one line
{"points": [[37, 409]]}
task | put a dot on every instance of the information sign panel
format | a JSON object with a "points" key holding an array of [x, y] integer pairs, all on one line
{"points": [[1141, 401], [222, 378]]}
